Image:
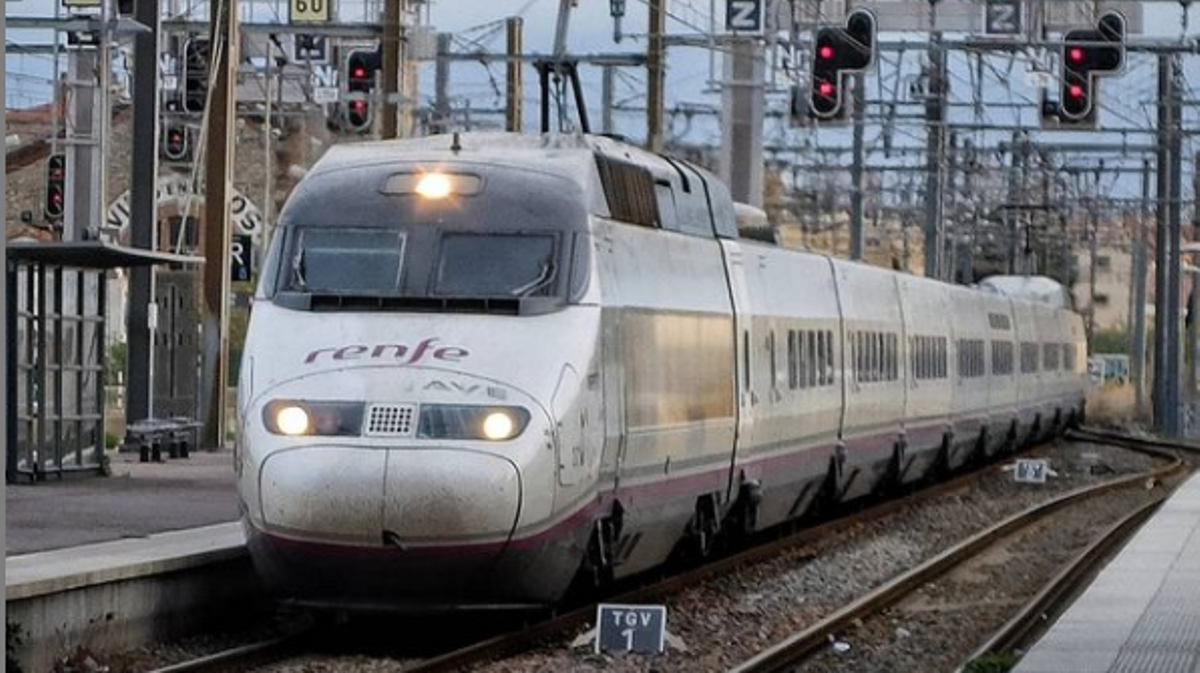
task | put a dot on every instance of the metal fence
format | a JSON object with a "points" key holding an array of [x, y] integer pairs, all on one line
{"points": [[57, 318]]}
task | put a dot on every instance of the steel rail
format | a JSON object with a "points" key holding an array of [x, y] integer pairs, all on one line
{"points": [[1052, 596], [1122, 439], [264, 651], [792, 650]]}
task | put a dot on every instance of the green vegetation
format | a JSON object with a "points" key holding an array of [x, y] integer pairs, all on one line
{"points": [[992, 663], [1112, 341], [13, 637], [114, 363]]}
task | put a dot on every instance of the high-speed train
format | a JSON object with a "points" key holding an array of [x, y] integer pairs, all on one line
{"points": [[481, 367]]}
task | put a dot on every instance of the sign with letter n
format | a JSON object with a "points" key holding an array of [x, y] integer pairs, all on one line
{"points": [[631, 628], [744, 16]]}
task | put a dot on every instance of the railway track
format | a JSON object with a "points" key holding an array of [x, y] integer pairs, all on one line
{"points": [[796, 648]]}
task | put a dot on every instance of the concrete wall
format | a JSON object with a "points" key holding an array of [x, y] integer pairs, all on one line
{"points": [[119, 616]]}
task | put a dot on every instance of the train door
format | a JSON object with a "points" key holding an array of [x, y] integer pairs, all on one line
{"points": [[749, 390], [613, 453]]}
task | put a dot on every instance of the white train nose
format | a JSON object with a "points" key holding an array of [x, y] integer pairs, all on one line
{"points": [[435, 495], [407, 497]]}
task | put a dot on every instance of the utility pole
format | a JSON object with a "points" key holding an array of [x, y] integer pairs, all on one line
{"points": [[1166, 407], [441, 121], [143, 215], [606, 99], [655, 55], [218, 186], [966, 272], [1014, 154], [742, 103], [1093, 242], [1193, 325], [857, 238], [391, 46], [1137, 367], [514, 87], [83, 208], [935, 118], [1175, 215], [268, 163], [950, 204]]}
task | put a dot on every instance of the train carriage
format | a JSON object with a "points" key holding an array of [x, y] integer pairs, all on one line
{"points": [[480, 368]]}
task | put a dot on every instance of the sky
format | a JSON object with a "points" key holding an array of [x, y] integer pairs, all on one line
{"points": [[1127, 100]]}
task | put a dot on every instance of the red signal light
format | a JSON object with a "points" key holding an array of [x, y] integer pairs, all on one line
{"points": [[825, 89], [826, 52], [1075, 55], [358, 72], [1075, 91]]}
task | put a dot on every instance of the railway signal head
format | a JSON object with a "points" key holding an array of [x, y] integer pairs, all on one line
{"points": [[837, 51], [176, 143], [56, 186], [195, 74], [1087, 54], [360, 83]]}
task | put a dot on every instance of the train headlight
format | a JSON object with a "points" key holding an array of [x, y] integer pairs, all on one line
{"points": [[498, 425], [458, 421], [292, 420], [306, 417]]}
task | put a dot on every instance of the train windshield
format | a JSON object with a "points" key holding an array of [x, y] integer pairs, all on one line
{"points": [[496, 265], [345, 260], [397, 263]]}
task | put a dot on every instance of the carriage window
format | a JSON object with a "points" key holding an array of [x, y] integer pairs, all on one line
{"points": [[1002, 358], [490, 265], [1050, 357], [771, 353], [345, 260], [1029, 358], [1068, 357]]}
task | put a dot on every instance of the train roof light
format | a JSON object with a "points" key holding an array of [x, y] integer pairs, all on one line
{"points": [[434, 186]]}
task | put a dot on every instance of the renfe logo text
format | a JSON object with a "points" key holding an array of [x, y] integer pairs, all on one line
{"points": [[396, 353]]}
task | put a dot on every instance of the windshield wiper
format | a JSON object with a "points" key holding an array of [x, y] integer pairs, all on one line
{"points": [[298, 269], [544, 278]]}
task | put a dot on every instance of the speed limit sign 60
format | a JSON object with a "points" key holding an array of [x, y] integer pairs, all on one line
{"points": [[308, 11]]}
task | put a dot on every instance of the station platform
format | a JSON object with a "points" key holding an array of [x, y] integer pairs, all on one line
{"points": [[138, 500], [1142, 614], [106, 565]]}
